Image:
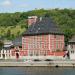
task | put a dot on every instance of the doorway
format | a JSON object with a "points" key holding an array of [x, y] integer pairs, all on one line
{"points": [[3, 56], [17, 55]]}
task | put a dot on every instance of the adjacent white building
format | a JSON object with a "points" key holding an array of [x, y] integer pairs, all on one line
{"points": [[71, 48], [5, 53]]}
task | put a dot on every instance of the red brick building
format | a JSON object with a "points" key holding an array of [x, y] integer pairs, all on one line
{"points": [[43, 38]]}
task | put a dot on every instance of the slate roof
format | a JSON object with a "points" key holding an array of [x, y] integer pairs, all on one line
{"points": [[45, 26], [17, 41], [72, 40]]}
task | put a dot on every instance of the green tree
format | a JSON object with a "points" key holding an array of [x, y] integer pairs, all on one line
{"points": [[1, 44], [8, 34], [68, 35]]}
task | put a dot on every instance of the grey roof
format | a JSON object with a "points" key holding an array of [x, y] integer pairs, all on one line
{"points": [[72, 40], [17, 41], [45, 26]]}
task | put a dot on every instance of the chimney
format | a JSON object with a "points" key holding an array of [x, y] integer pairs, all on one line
{"points": [[32, 20]]}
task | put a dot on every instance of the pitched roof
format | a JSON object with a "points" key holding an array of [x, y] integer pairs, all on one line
{"points": [[72, 40], [17, 41], [45, 26]]}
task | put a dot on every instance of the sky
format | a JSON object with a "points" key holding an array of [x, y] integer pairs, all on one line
{"points": [[27, 5]]}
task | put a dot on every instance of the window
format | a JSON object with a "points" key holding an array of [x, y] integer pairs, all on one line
{"points": [[36, 52], [31, 53], [40, 44], [61, 45], [52, 44], [9, 55], [72, 46], [24, 46], [57, 44], [45, 53], [72, 52], [57, 37]]}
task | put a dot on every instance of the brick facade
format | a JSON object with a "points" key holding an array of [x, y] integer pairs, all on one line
{"points": [[42, 45]]}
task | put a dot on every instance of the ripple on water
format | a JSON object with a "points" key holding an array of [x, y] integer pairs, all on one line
{"points": [[36, 71]]}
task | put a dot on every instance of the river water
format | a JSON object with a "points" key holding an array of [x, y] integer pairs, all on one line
{"points": [[36, 71]]}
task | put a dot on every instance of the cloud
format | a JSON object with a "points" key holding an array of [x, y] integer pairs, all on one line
{"points": [[6, 3]]}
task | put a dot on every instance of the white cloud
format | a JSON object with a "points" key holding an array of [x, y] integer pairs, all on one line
{"points": [[9, 3], [6, 3]]}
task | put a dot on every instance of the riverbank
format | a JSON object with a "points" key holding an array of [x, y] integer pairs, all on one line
{"points": [[54, 63]]}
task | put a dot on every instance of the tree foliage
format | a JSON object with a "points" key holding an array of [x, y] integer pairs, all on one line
{"points": [[65, 19], [1, 45]]}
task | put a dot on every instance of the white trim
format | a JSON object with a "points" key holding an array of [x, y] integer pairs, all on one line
{"points": [[49, 41], [28, 48]]}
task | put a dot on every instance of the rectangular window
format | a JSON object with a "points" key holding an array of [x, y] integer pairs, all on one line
{"points": [[58, 37], [36, 53], [72, 52], [61, 45], [25, 46], [52, 44], [57, 45], [31, 52]]}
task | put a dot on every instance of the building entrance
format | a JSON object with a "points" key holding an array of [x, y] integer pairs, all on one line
{"points": [[17, 55], [3, 56]]}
